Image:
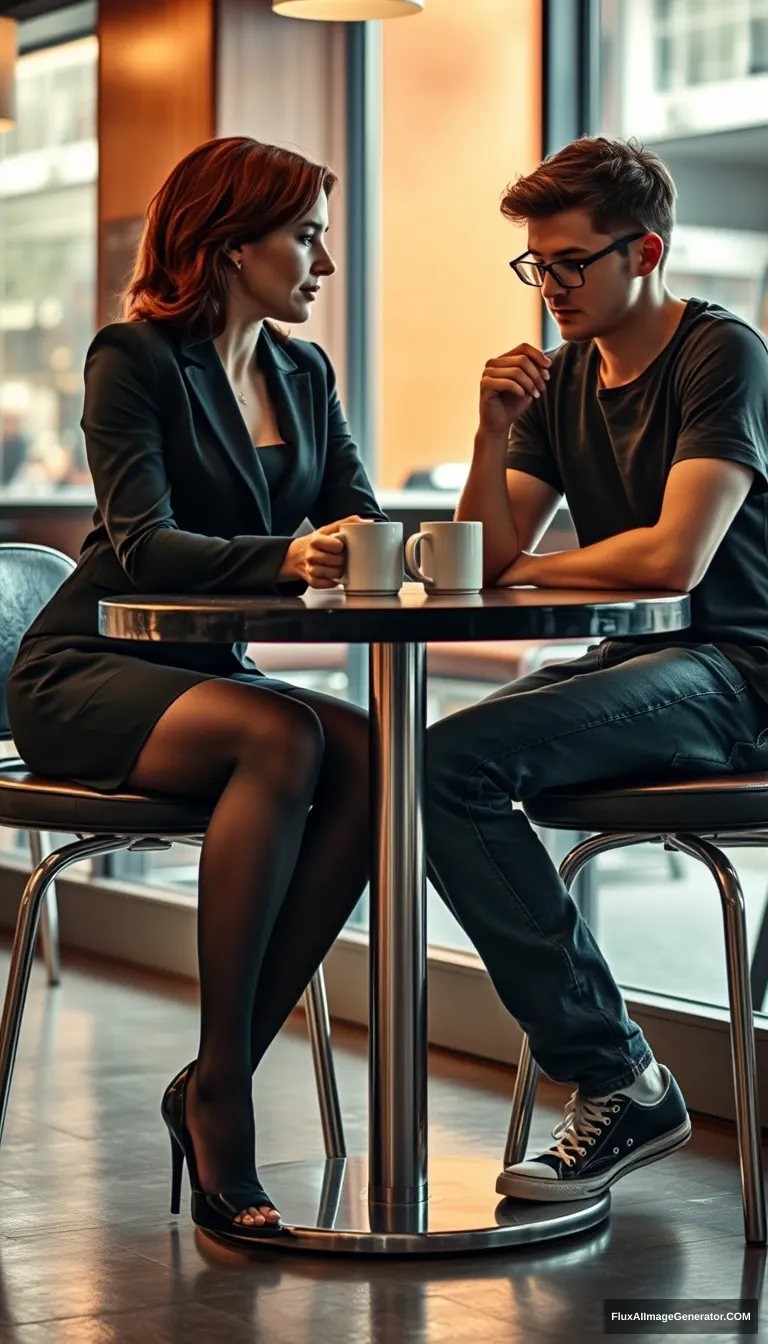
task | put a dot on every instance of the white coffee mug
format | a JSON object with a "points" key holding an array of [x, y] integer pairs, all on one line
{"points": [[374, 561], [454, 557]]}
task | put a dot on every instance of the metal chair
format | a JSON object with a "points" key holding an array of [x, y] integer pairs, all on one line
{"points": [[103, 823], [688, 817]]}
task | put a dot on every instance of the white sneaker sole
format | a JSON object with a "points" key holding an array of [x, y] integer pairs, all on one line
{"points": [[542, 1189]]}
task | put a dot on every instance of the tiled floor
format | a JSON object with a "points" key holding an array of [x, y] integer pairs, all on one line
{"points": [[90, 1255]]}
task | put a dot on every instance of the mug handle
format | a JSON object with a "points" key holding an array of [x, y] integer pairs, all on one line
{"points": [[411, 546]]}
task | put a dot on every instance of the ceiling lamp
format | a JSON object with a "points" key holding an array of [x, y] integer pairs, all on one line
{"points": [[352, 11], [7, 73]]}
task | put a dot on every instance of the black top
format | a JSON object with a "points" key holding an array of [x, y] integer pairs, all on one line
{"points": [[332, 617], [610, 450], [183, 499], [275, 464]]}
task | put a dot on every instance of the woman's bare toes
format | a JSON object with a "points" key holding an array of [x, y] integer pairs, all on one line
{"points": [[249, 1216], [253, 1217]]}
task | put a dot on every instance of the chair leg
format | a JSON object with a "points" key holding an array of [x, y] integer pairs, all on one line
{"points": [[585, 890], [24, 947], [523, 1102], [524, 1097], [39, 846], [742, 1032], [319, 1026]]}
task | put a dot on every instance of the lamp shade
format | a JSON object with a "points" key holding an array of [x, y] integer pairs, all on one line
{"points": [[352, 11], [7, 73]]}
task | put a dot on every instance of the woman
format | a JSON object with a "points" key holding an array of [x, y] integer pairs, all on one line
{"points": [[210, 438]]}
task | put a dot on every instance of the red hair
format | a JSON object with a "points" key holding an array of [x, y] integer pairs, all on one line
{"points": [[227, 192]]}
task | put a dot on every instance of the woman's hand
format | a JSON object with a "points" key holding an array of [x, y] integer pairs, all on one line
{"points": [[319, 558], [509, 385]]}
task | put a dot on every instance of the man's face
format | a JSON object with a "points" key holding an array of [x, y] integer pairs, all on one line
{"points": [[611, 285]]}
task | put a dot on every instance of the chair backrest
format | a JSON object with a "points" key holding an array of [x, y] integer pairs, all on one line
{"points": [[29, 576]]}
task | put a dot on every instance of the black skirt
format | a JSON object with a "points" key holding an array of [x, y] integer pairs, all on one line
{"points": [[80, 709]]}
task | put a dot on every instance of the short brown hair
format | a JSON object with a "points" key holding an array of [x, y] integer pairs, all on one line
{"points": [[622, 184], [228, 191]]}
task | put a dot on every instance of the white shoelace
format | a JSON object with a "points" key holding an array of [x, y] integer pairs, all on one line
{"points": [[584, 1118]]}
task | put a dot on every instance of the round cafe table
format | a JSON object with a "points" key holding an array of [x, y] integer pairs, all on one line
{"points": [[390, 1203]]}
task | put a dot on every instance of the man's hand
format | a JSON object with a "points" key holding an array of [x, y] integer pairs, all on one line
{"points": [[319, 558], [512, 506], [508, 386]]}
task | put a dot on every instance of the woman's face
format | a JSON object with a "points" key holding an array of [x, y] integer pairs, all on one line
{"points": [[281, 276]]}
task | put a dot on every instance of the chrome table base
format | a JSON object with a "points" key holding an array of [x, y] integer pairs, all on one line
{"points": [[325, 1208]]}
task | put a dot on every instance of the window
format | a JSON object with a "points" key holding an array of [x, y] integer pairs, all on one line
{"points": [[688, 65], [48, 177], [460, 119], [692, 84], [700, 42]]}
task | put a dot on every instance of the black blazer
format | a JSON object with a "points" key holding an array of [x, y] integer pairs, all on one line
{"points": [[183, 506], [183, 502]]}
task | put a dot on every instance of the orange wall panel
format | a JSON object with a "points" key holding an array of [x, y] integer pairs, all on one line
{"points": [[461, 118], [156, 102]]}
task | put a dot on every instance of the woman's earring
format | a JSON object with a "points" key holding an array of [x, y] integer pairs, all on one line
{"points": [[238, 264]]}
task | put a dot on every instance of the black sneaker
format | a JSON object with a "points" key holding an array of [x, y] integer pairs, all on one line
{"points": [[599, 1140]]}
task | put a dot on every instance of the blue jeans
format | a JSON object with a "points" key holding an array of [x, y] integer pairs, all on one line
{"points": [[622, 709]]}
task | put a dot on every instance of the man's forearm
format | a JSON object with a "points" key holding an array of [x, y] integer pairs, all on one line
{"points": [[637, 559], [485, 500]]}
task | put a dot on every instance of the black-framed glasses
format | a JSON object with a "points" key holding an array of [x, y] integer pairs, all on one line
{"points": [[569, 273]]}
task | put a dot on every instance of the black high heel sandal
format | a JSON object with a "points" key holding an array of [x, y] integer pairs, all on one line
{"points": [[213, 1213]]}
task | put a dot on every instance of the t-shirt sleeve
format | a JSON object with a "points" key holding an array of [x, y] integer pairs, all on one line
{"points": [[724, 401], [530, 447]]}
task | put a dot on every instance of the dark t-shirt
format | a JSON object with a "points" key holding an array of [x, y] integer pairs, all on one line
{"points": [[610, 450]]}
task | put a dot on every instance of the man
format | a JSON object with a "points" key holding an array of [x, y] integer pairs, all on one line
{"points": [[652, 420]]}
